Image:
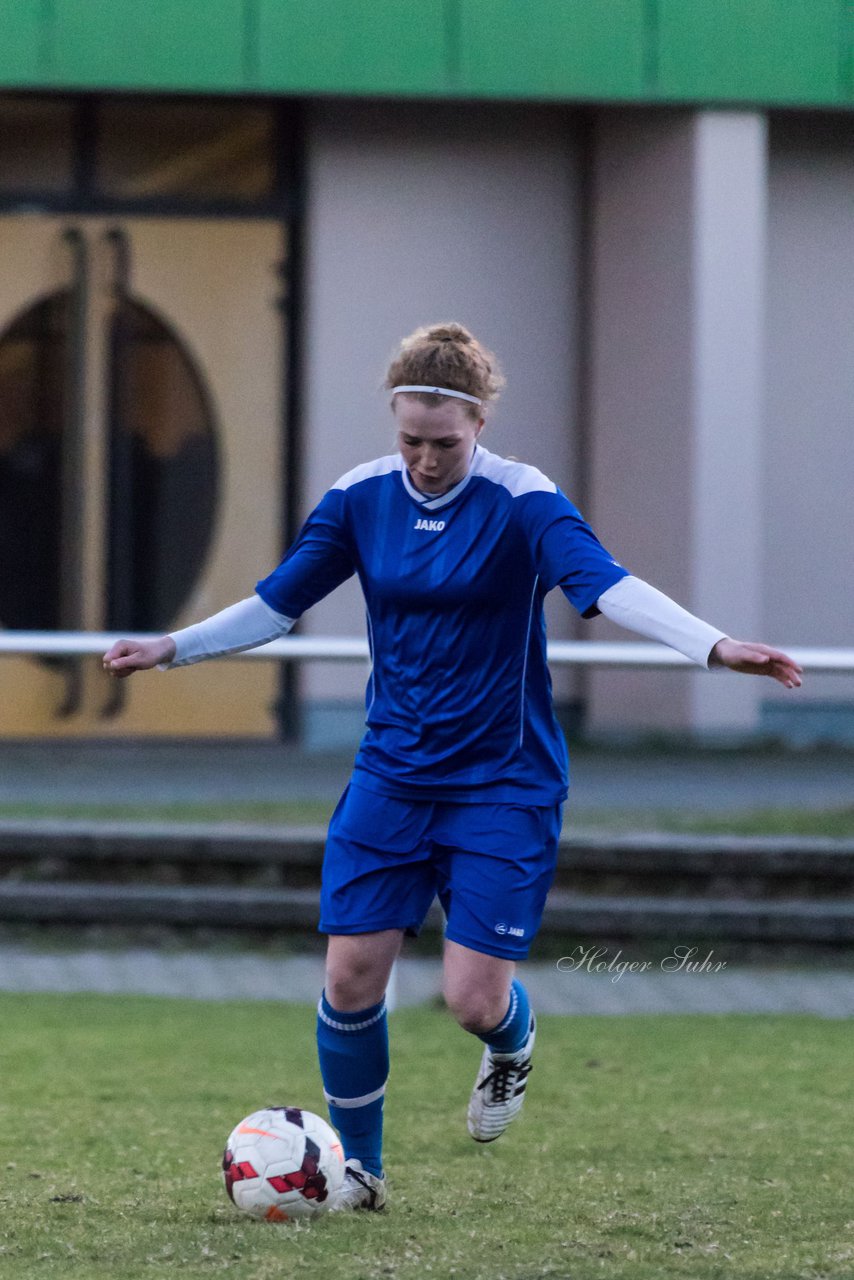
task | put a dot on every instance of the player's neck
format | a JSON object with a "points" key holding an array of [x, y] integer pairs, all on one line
{"points": [[440, 493]]}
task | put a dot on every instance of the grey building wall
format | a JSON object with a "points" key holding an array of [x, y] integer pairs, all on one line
{"points": [[676, 392], [426, 213], [808, 468], [719, 434]]}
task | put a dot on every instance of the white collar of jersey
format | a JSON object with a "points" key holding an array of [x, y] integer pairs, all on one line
{"points": [[441, 499]]}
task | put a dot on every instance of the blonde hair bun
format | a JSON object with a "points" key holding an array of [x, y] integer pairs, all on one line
{"points": [[446, 355], [448, 333]]}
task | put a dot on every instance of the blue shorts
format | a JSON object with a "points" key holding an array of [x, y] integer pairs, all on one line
{"points": [[490, 864]]}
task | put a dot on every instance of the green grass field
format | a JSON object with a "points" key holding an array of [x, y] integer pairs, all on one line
{"points": [[824, 822], [650, 1147]]}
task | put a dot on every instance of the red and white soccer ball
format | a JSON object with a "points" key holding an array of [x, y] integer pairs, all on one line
{"points": [[283, 1163]]}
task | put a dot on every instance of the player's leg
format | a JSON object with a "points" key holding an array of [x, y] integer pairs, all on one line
{"points": [[377, 883], [358, 967], [496, 875], [477, 985], [481, 992], [352, 1046]]}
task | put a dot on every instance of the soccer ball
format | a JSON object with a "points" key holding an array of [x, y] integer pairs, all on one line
{"points": [[283, 1163]]}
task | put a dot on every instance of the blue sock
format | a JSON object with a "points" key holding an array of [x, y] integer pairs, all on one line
{"points": [[353, 1053], [512, 1031]]}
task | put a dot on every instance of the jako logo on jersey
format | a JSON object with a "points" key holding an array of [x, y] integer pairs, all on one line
{"points": [[435, 526]]}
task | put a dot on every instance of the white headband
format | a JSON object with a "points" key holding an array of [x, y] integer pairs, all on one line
{"points": [[440, 391]]}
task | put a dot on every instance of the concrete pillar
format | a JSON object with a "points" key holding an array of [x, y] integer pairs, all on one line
{"points": [[676, 392], [808, 512]]}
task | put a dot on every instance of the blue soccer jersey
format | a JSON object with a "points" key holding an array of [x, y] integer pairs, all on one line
{"points": [[459, 700]]}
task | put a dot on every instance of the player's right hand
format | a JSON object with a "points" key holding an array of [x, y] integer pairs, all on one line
{"points": [[127, 656]]}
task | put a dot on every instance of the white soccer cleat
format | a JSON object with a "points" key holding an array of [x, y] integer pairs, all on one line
{"points": [[499, 1089], [359, 1190]]}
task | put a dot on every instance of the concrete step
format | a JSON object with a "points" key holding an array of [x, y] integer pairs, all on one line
{"points": [[663, 854], [570, 914]]}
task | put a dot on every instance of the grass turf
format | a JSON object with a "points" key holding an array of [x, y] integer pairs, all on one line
{"points": [[650, 1147], [825, 822]]}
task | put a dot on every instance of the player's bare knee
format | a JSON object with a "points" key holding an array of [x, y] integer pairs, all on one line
{"points": [[474, 1010], [357, 969], [354, 983], [349, 992]]}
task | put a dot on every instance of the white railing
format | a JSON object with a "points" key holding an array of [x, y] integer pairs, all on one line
{"points": [[352, 649]]}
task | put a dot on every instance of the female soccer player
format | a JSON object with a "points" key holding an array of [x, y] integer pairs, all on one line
{"points": [[460, 776]]}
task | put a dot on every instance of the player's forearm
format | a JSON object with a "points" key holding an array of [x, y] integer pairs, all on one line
{"points": [[637, 606], [241, 626]]}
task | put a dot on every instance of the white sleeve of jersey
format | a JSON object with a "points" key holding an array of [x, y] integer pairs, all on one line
{"points": [[241, 626], [635, 605]]}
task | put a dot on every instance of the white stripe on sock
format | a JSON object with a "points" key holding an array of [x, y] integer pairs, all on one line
{"points": [[348, 1026], [365, 1099], [510, 1015]]}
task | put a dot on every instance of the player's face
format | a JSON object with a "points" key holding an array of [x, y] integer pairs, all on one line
{"points": [[436, 444]]}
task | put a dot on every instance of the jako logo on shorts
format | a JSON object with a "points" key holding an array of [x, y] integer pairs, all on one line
{"points": [[513, 930], [435, 526]]}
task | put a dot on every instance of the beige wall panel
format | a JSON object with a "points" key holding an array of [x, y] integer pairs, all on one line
{"points": [[216, 285]]}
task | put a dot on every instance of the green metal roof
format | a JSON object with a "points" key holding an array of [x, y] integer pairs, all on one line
{"points": [[764, 52]]}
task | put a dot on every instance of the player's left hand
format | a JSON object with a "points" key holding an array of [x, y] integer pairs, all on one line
{"points": [[756, 660]]}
